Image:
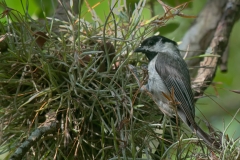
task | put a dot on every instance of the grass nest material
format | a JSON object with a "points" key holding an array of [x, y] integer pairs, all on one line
{"points": [[79, 71]]}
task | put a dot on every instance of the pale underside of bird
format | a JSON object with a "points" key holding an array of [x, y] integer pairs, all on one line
{"points": [[168, 73]]}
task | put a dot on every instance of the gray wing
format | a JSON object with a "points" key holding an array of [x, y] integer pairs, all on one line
{"points": [[175, 74]]}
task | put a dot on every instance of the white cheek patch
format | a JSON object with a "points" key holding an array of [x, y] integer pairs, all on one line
{"points": [[155, 48], [158, 47], [166, 47], [146, 48]]}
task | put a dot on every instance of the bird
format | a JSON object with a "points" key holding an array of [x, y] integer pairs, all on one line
{"points": [[167, 74]]}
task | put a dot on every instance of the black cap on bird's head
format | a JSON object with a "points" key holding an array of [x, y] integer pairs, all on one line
{"points": [[153, 45], [168, 72]]}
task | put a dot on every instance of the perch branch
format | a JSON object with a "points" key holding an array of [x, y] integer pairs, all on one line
{"points": [[224, 59], [49, 126], [218, 45], [197, 39]]}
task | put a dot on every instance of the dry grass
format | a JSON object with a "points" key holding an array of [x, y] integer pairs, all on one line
{"points": [[100, 111]]}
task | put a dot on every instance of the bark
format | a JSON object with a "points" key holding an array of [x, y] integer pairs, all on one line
{"points": [[209, 35], [199, 36], [49, 126]]}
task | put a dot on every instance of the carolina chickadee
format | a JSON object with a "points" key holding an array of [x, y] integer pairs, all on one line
{"points": [[169, 73]]}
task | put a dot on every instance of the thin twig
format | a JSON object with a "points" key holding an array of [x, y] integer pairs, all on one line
{"points": [[49, 126]]}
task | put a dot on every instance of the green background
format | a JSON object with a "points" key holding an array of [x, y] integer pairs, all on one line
{"points": [[224, 99]]}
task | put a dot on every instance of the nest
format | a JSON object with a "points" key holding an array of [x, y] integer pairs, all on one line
{"points": [[69, 93], [84, 79]]}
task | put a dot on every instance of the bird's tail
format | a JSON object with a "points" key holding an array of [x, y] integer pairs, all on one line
{"points": [[212, 142], [209, 140]]}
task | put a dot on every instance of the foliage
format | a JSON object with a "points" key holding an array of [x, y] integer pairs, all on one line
{"points": [[80, 71]]}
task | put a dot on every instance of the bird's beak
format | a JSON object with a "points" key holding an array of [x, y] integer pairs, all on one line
{"points": [[139, 49]]}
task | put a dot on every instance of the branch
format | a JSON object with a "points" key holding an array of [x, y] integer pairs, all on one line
{"points": [[224, 59], [218, 45], [49, 126], [200, 35]]}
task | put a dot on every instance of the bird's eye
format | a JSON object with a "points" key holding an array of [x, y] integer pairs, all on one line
{"points": [[150, 43]]}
